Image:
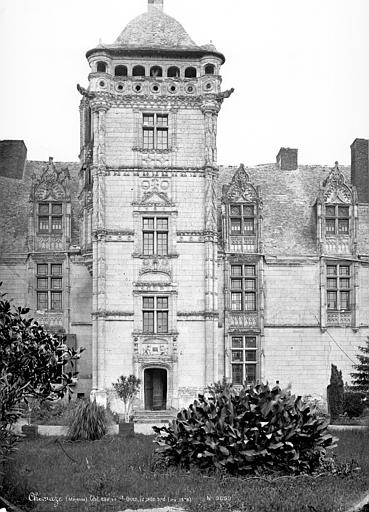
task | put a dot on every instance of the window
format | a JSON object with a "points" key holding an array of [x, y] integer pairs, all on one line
{"points": [[243, 288], [138, 71], [242, 219], [155, 236], [50, 217], [155, 314], [101, 67], [339, 287], [49, 286], [209, 69], [155, 131], [173, 72], [190, 73], [337, 219], [156, 71], [243, 360], [120, 71]]}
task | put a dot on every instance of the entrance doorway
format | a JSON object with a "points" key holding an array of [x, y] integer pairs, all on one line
{"points": [[155, 385]]}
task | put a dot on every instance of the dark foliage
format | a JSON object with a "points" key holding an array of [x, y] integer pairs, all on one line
{"points": [[88, 422], [335, 393], [360, 378], [251, 432], [32, 363], [353, 403]]}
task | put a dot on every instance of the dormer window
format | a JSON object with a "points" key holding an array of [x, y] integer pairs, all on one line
{"points": [[337, 219], [101, 67], [120, 71], [242, 219], [190, 73], [50, 217]]}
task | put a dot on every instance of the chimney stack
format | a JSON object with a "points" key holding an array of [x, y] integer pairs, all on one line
{"points": [[155, 4], [360, 168], [13, 154], [287, 159]]}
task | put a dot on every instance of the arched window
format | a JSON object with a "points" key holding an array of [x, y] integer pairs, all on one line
{"points": [[209, 69], [101, 67], [138, 71], [156, 71], [173, 72], [190, 73], [120, 71]]}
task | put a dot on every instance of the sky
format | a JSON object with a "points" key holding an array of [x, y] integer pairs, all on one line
{"points": [[300, 70]]}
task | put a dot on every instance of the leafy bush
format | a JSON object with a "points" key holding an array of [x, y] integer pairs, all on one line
{"points": [[256, 431], [88, 422], [127, 388], [353, 403]]}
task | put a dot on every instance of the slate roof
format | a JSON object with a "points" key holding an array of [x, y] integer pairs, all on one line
{"points": [[289, 218], [155, 29], [15, 207]]}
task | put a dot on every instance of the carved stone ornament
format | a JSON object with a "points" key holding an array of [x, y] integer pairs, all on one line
{"points": [[53, 184], [240, 189], [155, 265], [334, 188]]}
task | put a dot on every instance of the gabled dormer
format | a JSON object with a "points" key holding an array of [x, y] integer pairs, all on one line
{"points": [[337, 215], [241, 215]]}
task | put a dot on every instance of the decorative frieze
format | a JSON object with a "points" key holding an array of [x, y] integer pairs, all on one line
{"points": [[49, 243], [242, 320], [339, 318]]}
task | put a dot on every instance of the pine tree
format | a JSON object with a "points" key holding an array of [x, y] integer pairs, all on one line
{"points": [[360, 378]]}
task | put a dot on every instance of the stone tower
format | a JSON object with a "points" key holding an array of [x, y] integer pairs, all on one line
{"points": [[148, 209]]}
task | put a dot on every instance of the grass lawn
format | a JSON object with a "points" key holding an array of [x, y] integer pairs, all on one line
{"points": [[115, 473]]}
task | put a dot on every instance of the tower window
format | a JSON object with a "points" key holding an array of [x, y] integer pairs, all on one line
{"points": [[155, 314], [156, 71], [243, 288], [49, 286], [244, 360], [138, 71], [155, 236], [120, 71], [155, 131], [190, 73], [173, 72], [337, 219], [101, 67], [209, 69], [339, 287], [242, 219], [50, 217]]}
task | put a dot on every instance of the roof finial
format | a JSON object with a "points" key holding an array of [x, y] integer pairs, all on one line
{"points": [[157, 4]]}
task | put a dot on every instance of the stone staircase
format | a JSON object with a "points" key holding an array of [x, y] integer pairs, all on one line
{"points": [[143, 416]]}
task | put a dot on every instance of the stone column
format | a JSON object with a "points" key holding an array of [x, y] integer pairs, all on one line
{"points": [[210, 111], [99, 257]]}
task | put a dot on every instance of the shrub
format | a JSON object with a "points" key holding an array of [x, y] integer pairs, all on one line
{"points": [[127, 388], [259, 430], [88, 422], [335, 393], [353, 403]]}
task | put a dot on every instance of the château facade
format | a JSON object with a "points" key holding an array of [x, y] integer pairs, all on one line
{"points": [[164, 264]]}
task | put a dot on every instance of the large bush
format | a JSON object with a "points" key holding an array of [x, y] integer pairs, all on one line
{"points": [[255, 431], [353, 403]]}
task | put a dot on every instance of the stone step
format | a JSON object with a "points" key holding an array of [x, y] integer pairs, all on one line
{"points": [[143, 416]]}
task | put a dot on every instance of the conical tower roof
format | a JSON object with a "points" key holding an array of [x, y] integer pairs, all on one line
{"points": [[154, 32], [155, 29]]}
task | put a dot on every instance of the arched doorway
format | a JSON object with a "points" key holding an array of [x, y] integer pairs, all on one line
{"points": [[155, 386]]}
